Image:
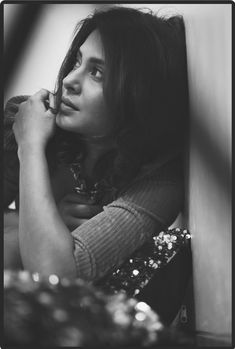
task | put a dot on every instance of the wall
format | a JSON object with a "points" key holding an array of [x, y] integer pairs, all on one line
{"points": [[208, 209], [209, 196]]}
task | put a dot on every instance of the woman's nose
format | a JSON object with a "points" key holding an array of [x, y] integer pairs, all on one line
{"points": [[72, 82]]}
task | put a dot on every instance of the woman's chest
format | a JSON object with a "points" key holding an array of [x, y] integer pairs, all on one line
{"points": [[62, 183]]}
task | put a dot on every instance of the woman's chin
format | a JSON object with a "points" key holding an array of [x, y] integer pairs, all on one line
{"points": [[65, 123], [61, 121]]}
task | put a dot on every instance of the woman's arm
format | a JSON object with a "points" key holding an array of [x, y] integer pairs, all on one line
{"points": [[45, 242], [46, 245]]}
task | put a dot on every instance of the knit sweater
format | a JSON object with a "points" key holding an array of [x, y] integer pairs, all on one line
{"points": [[149, 204]]}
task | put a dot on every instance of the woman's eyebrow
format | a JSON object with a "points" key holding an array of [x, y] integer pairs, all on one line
{"points": [[95, 60]]}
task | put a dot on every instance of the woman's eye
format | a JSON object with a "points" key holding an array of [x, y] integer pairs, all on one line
{"points": [[96, 73], [76, 65]]}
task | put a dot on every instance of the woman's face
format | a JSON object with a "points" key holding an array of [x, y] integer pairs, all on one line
{"points": [[83, 109]]}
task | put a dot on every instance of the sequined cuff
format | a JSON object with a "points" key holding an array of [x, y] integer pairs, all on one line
{"points": [[135, 273]]}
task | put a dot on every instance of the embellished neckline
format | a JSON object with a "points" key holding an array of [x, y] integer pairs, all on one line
{"points": [[95, 190]]}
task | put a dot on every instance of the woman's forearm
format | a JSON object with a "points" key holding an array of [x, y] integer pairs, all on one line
{"points": [[46, 244]]}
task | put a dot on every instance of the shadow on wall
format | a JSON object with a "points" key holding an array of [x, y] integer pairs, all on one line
{"points": [[33, 54], [212, 155], [17, 34]]}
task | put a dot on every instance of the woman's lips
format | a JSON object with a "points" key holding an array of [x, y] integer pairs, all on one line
{"points": [[68, 103]]}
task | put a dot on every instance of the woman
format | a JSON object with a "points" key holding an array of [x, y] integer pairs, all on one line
{"points": [[100, 166]]}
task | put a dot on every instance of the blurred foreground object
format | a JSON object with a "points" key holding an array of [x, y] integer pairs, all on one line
{"points": [[64, 313], [57, 312]]}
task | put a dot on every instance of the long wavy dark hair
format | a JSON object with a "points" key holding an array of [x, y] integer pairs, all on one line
{"points": [[145, 86]]}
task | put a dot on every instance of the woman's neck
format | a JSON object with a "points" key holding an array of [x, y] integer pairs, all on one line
{"points": [[94, 150]]}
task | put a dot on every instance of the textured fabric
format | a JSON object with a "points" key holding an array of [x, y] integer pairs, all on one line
{"points": [[151, 203]]}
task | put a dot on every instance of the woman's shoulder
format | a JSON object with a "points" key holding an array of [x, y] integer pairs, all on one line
{"points": [[167, 169], [157, 191], [167, 174]]}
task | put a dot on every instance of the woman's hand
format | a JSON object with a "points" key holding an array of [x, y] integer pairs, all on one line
{"points": [[76, 209], [34, 123]]}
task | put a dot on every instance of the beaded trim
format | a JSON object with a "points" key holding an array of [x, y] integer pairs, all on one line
{"points": [[135, 273], [81, 186], [95, 191]]}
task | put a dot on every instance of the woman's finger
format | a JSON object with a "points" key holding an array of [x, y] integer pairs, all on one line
{"points": [[41, 94], [52, 104]]}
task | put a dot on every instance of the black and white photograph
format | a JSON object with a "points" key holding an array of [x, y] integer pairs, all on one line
{"points": [[117, 184]]}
